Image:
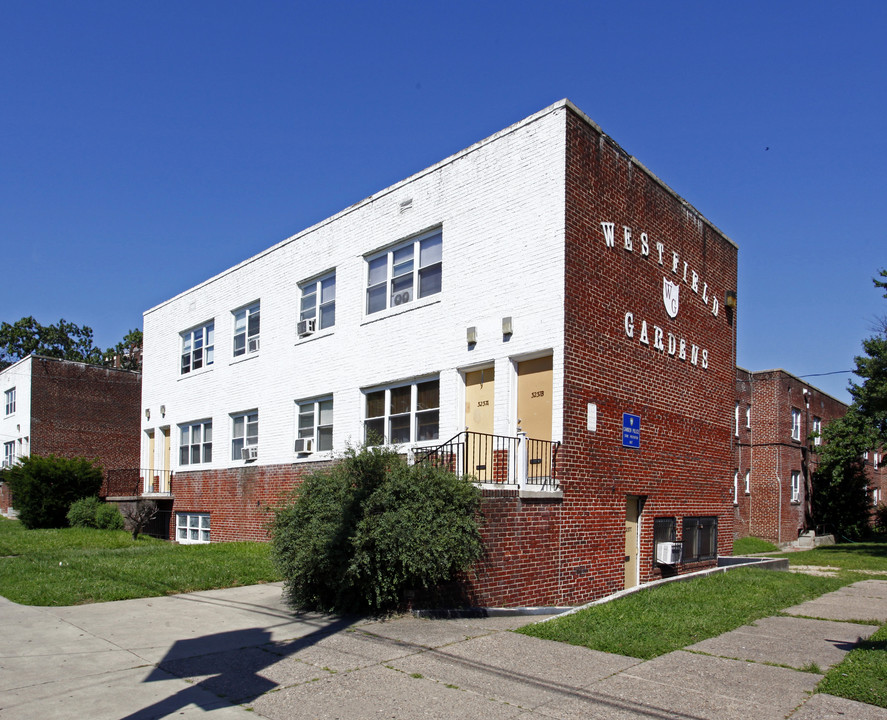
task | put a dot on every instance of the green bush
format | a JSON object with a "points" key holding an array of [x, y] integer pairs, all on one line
{"points": [[108, 517], [45, 487], [83, 512], [881, 518], [367, 530]]}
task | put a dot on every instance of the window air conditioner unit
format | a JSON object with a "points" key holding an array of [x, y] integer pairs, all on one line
{"points": [[669, 553], [250, 453], [306, 327], [304, 445], [253, 345]]}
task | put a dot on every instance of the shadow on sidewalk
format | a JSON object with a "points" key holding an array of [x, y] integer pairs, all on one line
{"points": [[231, 664]]}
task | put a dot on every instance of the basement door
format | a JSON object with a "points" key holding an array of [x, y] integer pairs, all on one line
{"points": [[479, 401], [163, 483], [632, 540]]}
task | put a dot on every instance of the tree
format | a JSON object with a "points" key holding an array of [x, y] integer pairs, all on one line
{"points": [[44, 488], [363, 533], [64, 340], [137, 515], [127, 354], [840, 497]]}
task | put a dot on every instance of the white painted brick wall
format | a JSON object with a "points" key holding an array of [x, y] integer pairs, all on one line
{"points": [[501, 206], [17, 426]]}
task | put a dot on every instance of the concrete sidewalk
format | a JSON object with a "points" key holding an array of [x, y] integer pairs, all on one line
{"points": [[242, 653]]}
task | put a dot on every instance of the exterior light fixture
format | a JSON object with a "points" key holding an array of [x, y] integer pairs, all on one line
{"points": [[163, 410], [730, 300], [147, 413], [507, 327], [471, 335]]}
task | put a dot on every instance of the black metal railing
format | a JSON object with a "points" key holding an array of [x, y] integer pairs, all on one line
{"points": [[496, 459], [133, 482]]}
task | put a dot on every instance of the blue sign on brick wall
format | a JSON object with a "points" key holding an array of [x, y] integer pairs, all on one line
{"points": [[631, 430]]}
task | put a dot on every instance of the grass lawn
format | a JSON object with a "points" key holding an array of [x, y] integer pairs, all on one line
{"points": [[749, 545], [75, 565], [669, 617]]}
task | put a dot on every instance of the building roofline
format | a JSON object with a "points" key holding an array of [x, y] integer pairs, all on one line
{"points": [[794, 377], [35, 356], [535, 117]]}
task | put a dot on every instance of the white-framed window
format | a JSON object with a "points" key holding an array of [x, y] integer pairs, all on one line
{"points": [[817, 431], [10, 401], [876, 460], [198, 347], [8, 453], [876, 496], [244, 433], [246, 330], [405, 273], [796, 486], [318, 301], [196, 442], [736, 421], [736, 487], [748, 417], [192, 528], [402, 413], [314, 423], [748, 482], [796, 424]]}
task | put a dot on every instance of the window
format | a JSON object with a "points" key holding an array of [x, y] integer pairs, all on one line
{"points": [[8, 453], [244, 433], [198, 347], [315, 422], [403, 414], [748, 482], [736, 421], [663, 531], [246, 330], [796, 424], [404, 273], [736, 488], [748, 417], [192, 528], [796, 486], [196, 443], [319, 301], [817, 431], [700, 538], [10, 401]]}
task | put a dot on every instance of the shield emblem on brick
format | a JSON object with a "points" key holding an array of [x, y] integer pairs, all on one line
{"points": [[671, 297]]}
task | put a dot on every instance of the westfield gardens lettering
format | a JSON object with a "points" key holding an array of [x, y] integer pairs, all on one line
{"points": [[653, 335]]}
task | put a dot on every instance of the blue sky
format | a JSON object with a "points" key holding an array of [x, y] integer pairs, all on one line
{"points": [[146, 146]]}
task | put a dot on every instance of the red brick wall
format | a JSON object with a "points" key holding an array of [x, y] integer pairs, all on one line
{"points": [[80, 410], [684, 465], [772, 454]]}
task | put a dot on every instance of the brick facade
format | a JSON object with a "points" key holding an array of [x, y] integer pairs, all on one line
{"points": [[551, 230], [73, 409], [771, 453]]}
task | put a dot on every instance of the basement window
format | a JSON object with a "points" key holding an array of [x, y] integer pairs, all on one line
{"points": [[700, 538], [192, 528]]}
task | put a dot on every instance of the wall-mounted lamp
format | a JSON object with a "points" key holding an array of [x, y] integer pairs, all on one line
{"points": [[730, 299], [163, 410], [806, 398], [507, 327], [147, 413], [471, 335]]}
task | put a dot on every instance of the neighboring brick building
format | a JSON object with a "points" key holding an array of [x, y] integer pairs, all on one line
{"points": [[777, 425], [70, 409], [538, 309]]}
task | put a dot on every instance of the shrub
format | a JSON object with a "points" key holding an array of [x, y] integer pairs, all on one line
{"points": [[45, 487], [364, 532], [108, 517], [83, 512], [881, 518]]}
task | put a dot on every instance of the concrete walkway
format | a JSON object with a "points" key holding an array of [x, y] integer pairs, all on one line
{"points": [[241, 653]]}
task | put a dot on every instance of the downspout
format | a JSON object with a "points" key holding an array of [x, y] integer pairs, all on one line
{"points": [[779, 516]]}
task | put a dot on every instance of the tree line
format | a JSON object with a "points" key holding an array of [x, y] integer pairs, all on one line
{"points": [[66, 341]]}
